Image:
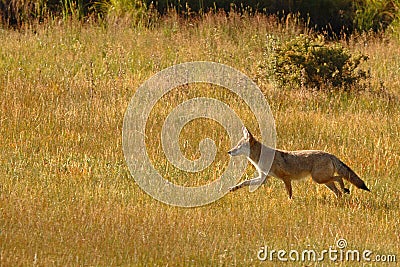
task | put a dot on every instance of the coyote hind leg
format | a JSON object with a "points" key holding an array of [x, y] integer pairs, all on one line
{"points": [[288, 185], [340, 181], [334, 189]]}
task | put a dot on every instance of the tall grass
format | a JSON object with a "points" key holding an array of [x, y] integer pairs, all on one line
{"points": [[66, 195], [333, 17], [375, 15]]}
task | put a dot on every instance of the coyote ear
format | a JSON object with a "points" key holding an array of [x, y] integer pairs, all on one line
{"points": [[246, 133]]}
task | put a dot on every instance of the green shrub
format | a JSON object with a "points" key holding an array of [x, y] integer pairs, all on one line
{"points": [[313, 63]]}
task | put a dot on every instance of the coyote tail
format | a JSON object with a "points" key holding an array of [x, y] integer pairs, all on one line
{"points": [[348, 174]]}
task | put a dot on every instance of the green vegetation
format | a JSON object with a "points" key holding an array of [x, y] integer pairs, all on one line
{"points": [[335, 17], [66, 195], [375, 15], [312, 63]]}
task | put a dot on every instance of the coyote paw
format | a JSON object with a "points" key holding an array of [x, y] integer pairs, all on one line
{"points": [[233, 188]]}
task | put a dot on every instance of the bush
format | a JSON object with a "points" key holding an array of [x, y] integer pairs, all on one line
{"points": [[312, 63]]}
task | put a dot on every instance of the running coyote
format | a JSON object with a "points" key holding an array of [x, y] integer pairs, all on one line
{"points": [[323, 167]]}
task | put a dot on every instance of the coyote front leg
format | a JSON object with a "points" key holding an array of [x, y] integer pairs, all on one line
{"points": [[260, 179]]}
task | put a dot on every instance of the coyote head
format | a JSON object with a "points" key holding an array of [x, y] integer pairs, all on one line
{"points": [[243, 147]]}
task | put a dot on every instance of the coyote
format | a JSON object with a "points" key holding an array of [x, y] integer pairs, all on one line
{"points": [[294, 165]]}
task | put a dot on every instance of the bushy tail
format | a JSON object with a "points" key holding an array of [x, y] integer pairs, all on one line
{"points": [[348, 174]]}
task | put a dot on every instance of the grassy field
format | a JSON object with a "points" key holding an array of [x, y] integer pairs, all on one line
{"points": [[67, 197]]}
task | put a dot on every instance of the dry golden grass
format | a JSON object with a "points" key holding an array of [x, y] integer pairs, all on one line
{"points": [[67, 197]]}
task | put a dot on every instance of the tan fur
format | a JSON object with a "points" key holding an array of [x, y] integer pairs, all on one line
{"points": [[324, 168]]}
